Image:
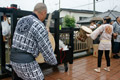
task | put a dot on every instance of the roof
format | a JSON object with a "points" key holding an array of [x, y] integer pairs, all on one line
{"points": [[78, 11], [112, 14]]}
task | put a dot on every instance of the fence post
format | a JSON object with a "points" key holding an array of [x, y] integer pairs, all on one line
{"points": [[71, 44], [13, 23], [56, 29], [88, 45], [2, 50]]}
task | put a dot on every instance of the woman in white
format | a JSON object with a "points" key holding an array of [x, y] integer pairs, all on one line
{"points": [[105, 41]]}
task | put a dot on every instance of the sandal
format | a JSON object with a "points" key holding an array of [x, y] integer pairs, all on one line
{"points": [[106, 69], [97, 70]]}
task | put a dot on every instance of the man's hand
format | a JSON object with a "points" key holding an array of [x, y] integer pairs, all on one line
{"points": [[115, 35]]}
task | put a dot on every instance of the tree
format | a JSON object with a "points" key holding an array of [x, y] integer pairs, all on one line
{"points": [[69, 21]]}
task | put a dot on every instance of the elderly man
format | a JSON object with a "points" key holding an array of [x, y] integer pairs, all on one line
{"points": [[31, 38], [116, 35]]}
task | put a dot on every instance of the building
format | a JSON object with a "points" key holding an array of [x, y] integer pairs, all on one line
{"points": [[78, 14], [111, 13]]}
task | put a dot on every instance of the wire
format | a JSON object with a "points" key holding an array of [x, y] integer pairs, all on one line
{"points": [[86, 4], [51, 6]]}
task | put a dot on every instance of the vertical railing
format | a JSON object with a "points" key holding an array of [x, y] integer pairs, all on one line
{"points": [[2, 50], [78, 45]]}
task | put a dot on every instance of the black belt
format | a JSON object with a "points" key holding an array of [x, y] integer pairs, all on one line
{"points": [[20, 56]]}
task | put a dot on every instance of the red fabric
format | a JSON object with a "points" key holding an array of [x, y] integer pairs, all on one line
{"points": [[62, 58], [11, 7]]}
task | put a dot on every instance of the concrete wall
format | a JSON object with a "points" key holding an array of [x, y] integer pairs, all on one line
{"points": [[75, 14]]}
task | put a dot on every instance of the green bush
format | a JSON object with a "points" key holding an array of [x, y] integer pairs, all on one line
{"points": [[69, 21]]}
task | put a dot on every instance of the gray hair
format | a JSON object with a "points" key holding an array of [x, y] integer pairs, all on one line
{"points": [[39, 7]]}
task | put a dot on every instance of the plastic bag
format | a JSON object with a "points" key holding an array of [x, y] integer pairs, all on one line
{"points": [[6, 28]]}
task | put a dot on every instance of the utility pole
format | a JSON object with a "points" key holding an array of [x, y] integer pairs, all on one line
{"points": [[59, 5], [43, 1], [93, 8]]}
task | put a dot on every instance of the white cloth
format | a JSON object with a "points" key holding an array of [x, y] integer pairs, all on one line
{"points": [[92, 27], [6, 28], [62, 45]]}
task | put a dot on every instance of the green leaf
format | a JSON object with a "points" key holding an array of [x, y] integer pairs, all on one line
{"points": [[69, 21]]}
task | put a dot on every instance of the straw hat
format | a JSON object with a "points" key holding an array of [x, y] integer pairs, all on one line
{"points": [[96, 19]]}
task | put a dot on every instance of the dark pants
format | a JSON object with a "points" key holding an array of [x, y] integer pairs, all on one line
{"points": [[100, 53], [116, 47]]}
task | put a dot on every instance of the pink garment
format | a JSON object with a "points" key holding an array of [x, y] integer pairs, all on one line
{"points": [[105, 38]]}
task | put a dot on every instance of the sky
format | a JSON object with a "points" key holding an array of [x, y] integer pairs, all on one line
{"points": [[101, 5]]}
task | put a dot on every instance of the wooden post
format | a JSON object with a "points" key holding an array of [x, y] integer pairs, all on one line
{"points": [[93, 8], [13, 23], [2, 50], [88, 44], [56, 29], [71, 44]]}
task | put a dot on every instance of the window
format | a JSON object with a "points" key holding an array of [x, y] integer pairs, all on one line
{"points": [[81, 18]]}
